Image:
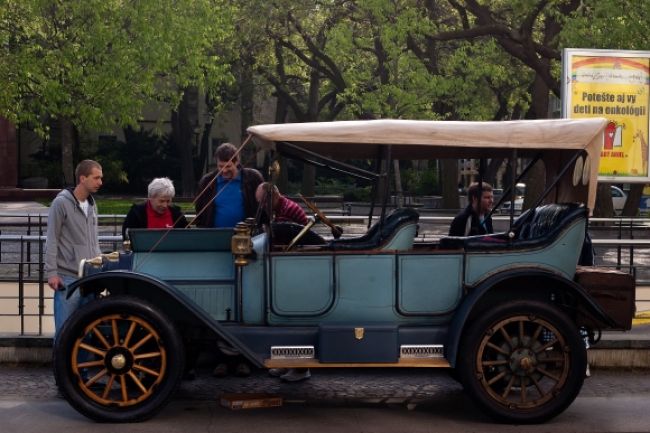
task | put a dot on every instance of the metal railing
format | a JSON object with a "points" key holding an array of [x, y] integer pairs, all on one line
{"points": [[622, 243]]}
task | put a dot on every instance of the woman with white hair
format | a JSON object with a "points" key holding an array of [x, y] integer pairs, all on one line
{"points": [[158, 211]]}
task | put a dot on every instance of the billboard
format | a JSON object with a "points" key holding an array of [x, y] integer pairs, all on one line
{"points": [[613, 85]]}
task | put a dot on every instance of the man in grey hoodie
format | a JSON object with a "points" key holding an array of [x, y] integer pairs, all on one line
{"points": [[71, 237]]}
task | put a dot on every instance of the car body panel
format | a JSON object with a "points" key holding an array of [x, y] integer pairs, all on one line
{"points": [[560, 256]]}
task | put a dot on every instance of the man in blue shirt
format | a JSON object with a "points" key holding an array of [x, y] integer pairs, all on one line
{"points": [[229, 195], [226, 197]]}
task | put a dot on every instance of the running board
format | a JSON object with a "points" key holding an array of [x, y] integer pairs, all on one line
{"points": [[314, 363]]}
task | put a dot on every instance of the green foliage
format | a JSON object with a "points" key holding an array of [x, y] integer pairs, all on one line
{"points": [[608, 24], [349, 191], [421, 182], [129, 167], [99, 62], [120, 206]]}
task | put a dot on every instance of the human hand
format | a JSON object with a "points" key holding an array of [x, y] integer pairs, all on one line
{"points": [[55, 282]]}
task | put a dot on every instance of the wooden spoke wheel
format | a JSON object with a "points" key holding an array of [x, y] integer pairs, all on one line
{"points": [[523, 362], [118, 359]]}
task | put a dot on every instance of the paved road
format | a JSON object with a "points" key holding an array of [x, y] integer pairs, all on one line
{"points": [[359, 400]]}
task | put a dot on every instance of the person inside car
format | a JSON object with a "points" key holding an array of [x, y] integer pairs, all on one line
{"points": [[473, 219], [158, 211]]}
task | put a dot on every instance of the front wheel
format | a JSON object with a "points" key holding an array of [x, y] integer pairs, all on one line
{"points": [[523, 362], [118, 359]]}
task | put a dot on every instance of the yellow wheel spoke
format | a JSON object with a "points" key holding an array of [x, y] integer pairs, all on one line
{"points": [[509, 387], [494, 363], [125, 396], [552, 359], [141, 342], [146, 370], [496, 378], [537, 332], [101, 338], [91, 364], [137, 382], [96, 377], [498, 349], [521, 332], [116, 334], [548, 374], [546, 346], [506, 336], [109, 385], [92, 349], [537, 385], [147, 355], [129, 334], [523, 391]]}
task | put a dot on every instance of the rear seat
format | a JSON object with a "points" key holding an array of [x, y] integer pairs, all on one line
{"points": [[533, 227]]}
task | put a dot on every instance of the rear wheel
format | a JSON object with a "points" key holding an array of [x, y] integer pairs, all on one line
{"points": [[523, 362], [118, 359]]}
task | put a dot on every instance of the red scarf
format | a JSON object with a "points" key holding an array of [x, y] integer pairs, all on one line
{"points": [[158, 221]]}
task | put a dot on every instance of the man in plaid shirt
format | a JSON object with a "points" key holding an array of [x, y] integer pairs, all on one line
{"points": [[283, 208]]}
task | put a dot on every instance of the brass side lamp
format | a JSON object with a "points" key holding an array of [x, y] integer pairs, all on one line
{"points": [[240, 244]]}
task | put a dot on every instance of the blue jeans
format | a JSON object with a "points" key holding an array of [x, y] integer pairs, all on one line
{"points": [[63, 308]]}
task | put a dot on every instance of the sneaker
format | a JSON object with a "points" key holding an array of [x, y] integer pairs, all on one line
{"points": [[242, 370], [277, 372], [296, 375], [221, 370]]}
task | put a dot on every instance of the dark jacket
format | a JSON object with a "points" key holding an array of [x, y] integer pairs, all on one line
{"points": [[137, 218], [205, 207], [459, 224]]}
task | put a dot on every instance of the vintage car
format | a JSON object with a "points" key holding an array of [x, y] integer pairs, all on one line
{"points": [[508, 313]]}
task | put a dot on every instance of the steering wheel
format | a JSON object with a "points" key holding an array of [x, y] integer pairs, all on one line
{"points": [[336, 230]]}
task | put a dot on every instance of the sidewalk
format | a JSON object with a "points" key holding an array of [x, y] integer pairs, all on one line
{"points": [[623, 350]]}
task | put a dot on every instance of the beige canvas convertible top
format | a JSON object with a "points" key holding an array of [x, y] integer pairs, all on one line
{"points": [[422, 139]]}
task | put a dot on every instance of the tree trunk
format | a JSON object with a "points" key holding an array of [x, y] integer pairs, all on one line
{"points": [[450, 184], [67, 158], [309, 171], [398, 184], [631, 207], [184, 122], [202, 158], [535, 182], [281, 110], [603, 207]]}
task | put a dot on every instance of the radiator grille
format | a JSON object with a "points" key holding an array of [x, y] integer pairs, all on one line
{"points": [[421, 351], [292, 352]]}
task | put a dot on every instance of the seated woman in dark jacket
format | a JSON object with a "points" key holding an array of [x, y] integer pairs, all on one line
{"points": [[158, 211]]}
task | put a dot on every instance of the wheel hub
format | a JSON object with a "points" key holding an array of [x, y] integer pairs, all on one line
{"points": [[523, 361], [118, 360]]}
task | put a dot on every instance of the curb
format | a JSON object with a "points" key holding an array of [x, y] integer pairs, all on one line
{"points": [[606, 354]]}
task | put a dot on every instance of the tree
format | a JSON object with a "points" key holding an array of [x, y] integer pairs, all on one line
{"points": [[95, 64]]}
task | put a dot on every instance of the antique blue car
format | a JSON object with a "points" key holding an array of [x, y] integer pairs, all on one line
{"points": [[507, 313]]}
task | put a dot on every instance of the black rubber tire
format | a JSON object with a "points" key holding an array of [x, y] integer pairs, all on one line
{"points": [[129, 391], [506, 368]]}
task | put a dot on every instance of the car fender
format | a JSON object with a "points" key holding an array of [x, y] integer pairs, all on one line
{"points": [[164, 296], [498, 282]]}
